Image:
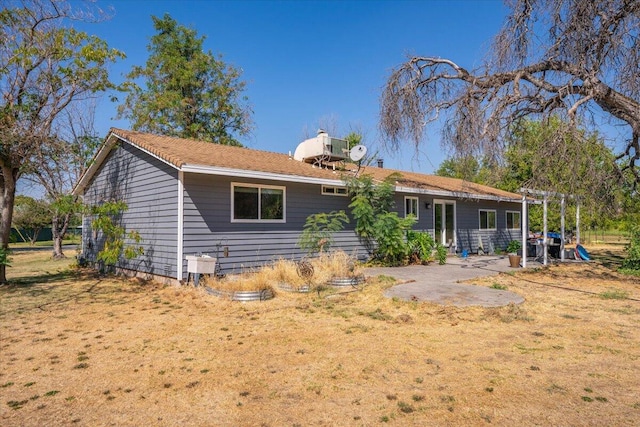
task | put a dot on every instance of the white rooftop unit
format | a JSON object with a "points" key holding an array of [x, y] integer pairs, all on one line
{"points": [[322, 148]]}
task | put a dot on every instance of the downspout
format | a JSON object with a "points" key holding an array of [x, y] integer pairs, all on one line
{"points": [[180, 245]]}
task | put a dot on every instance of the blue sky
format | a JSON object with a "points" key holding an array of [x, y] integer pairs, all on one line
{"points": [[311, 62], [308, 63]]}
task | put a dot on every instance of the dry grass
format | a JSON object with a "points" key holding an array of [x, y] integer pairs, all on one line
{"points": [[84, 350], [285, 272]]}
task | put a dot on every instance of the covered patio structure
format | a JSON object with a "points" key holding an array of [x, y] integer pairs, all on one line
{"points": [[546, 197]]}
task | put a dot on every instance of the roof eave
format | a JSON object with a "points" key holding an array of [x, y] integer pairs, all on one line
{"points": [[457, 194], [243, 173], [96, 162]]}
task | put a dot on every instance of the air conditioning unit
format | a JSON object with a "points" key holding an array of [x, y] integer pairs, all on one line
{"points": [[322, 148]]}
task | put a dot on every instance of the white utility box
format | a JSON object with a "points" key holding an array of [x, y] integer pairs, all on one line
{"points": [[201, 264]]}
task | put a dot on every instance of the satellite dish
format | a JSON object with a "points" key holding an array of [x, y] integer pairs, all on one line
{"points": [[357, 153]]}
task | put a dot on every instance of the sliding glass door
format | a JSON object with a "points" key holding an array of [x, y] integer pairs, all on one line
{"points": [[444, 221]]}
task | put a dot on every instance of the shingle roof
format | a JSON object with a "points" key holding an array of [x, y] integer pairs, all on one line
{"points": [[182, 153]]}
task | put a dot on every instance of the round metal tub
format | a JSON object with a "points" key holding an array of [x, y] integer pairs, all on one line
{"points": [[243, 296], [346, 281], [288, 288]]}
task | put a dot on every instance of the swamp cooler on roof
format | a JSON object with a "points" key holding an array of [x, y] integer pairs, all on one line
{"points": [[322, 148]]}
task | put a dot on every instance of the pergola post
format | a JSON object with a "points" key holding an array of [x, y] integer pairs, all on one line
{"points": [[524, 224], [562, 211], [577, 222], [545, 229]]}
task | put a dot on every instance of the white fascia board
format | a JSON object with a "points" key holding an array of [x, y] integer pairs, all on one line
{"points": [[456, 194], [240, 173]]}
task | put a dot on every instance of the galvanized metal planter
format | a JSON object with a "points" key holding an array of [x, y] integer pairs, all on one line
{"points": [[288, 288], [243, 296], [346, 281]]}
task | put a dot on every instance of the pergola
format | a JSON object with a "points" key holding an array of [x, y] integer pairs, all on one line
{"points": [[546, 195]]}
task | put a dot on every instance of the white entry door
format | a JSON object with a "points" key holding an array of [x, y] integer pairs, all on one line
{"points": [[444, 221]]}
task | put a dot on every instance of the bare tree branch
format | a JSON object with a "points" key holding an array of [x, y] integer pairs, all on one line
{"points": [[567, 58]]}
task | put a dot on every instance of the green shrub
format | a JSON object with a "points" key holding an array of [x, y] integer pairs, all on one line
{"points": [[389, 231], [106, 220], [441, 253], [420, 246], [382, 231], [4, 257], [319, 228], [632, 261], [513, 247]]}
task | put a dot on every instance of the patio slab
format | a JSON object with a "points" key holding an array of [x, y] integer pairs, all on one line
{"points": [[440, 283]]}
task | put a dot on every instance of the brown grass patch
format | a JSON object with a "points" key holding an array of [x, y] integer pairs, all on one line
{"points": [[159, 355]]}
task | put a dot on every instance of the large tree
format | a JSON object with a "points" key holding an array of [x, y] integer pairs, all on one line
{"points": [[188, 93], [45, 66], [30, 216], [58, 166], [584, 168], [570, 58]]}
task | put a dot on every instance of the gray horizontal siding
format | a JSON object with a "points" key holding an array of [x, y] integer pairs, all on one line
{"points": [[248, 250], [468, 231], [149, 188], [207, 222]]}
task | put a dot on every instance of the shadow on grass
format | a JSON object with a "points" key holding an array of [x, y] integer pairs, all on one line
{"points": [[31, 281], [609, 259]]}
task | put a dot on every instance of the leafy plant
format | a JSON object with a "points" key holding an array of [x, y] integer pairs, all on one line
{"points": [[420, 246], [115, 234], [382, 231], [632, 261], [390, 231], [513, 247], [441, 253], [319, 228], [4, 257]]}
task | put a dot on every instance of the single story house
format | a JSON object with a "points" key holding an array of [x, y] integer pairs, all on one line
{"points": [[186, 197]]}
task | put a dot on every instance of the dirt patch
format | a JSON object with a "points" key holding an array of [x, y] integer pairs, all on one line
{"points": [[84, 350]]}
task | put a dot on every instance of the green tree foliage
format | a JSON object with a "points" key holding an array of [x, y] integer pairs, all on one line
{"points": [[552, 58], [30, 216], [467, 168], [319, 228], [583, 167], [45, 66], [58, 166], [5, 259], [188, 93], [382, 230], [118, 242], [632, 262]]}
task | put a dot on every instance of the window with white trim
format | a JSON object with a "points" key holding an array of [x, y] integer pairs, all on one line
{"points": [[253, 203], [410, 206], [330, 190], [487, 219], [513, 220]]}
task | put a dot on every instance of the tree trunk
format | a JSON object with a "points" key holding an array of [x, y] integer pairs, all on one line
{"points": [[59, 226], [7, 198]]}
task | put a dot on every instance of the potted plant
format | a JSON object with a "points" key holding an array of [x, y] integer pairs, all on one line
{"points": [[512, 249]]}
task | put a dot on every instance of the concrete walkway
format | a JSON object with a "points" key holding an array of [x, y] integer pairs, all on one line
{"points": [[439, 283]]}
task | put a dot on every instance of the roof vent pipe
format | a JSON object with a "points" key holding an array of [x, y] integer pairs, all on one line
{"points": [[380, 163]]}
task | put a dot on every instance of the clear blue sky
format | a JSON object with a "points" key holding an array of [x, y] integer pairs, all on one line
{"points": [[308, 62]]}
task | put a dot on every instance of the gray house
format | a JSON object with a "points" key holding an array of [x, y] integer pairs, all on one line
{"points": [[186, 197]]}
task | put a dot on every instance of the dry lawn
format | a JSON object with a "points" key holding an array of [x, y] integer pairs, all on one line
{"points": [[77, 349]]}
